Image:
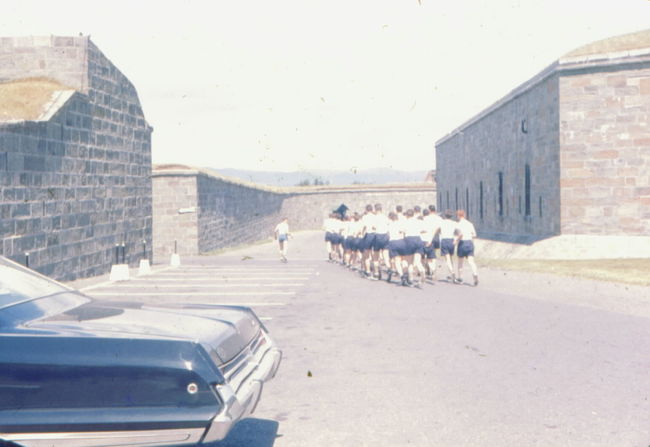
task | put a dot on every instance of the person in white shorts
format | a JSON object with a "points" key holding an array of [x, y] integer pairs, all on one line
{"points": [[465, 248]]}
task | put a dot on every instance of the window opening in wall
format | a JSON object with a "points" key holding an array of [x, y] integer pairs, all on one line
{"points": [[527, 190], [480, 199], [519, 204], [456, 198], [500, 189], [540, 206], [447, 207], [467, 201]]}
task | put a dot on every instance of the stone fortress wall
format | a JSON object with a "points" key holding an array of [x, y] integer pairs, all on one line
{"points": [[566, 153], [75, 181], [198, 211]]}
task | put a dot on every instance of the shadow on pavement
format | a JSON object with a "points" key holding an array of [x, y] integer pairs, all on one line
{"points": [[250, 432]]}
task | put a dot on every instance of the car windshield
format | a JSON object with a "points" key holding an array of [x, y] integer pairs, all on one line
{"points": [[18, 284]]}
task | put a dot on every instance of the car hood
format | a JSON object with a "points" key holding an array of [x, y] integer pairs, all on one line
{"points": [[223, 330]]}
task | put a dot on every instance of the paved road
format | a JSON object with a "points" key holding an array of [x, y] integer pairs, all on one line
{"points": [[521, 360]]}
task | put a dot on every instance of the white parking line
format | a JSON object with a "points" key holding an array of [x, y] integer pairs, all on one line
{"points": [[124, 285], [217, 279], [241, 269], [252, 293], [213, 279]]}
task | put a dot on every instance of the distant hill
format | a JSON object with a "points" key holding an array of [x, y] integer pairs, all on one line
{"points": [[375, 176]]}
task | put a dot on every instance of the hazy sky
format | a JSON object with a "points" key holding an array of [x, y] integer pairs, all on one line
{"points": [[293, 84]]}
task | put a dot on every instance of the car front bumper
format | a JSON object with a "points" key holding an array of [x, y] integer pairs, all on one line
{"points": [[241, 403]]}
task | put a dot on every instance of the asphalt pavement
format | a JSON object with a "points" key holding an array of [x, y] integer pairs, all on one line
{"points": [[521, 360]]}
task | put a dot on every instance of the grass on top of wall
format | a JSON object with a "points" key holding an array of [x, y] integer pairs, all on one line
{"points": [[629, 271], [26, 99]]}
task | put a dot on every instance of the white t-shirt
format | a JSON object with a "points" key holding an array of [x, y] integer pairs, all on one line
{"points": [[412, 227], [466, 229], [434, 222], [368, 221], [395, 230], [282, 228], [381, 223], [329, 224], [356, 228], [426, 234], [447, 229]]}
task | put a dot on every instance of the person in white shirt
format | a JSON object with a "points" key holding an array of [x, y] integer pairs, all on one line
{"points": [[396, 245], [329, 226], [400, 214], [368, 224], [380, 253], [448, 242], [465, 249], [431, 228], [339, 235], [414, 248], [282, 236]]}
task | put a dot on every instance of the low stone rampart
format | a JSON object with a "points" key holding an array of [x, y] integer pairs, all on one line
{"points": [[198, 211]]}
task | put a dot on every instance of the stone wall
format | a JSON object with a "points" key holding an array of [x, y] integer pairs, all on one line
{"points": [[175, 217], [62, 58], [605, 159], [483, 166], [199, 212], [567, 152], [78, 183]]}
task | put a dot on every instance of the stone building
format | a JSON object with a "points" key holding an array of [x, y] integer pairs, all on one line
{"points": [[567, 152], [75, 158]]}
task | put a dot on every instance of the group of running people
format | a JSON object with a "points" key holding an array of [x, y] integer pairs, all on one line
{"points": [[401, 244]]}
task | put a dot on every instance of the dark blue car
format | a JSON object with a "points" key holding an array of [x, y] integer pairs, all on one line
{"points": [[78, 372]]}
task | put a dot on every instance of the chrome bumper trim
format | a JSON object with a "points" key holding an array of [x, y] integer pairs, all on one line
{"points": [[241, 404], [190, 436]]}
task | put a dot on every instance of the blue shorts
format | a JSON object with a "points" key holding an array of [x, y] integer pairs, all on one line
{"points": [[414, 245], [446, 247], [465, 249], [381, 241], [396, 247], [328, 236], [367, 241], [429, 251], [283, 237]]}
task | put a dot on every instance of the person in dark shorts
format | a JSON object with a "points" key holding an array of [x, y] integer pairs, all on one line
{"points": [[396, 247], [413, 228], [368, 224], [380, 243], [465, 249], [282, 236], [448, 241]]}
